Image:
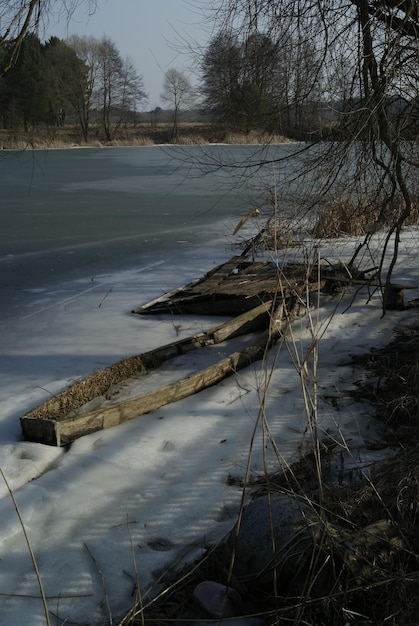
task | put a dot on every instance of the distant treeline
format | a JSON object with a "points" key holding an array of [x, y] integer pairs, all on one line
{"points": [[246, 85]]}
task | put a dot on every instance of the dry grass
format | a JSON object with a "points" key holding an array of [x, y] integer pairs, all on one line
{"points": [[102, 383], [342, 216], [139, 135], [368, 560], [254, 137], [367, 565]]}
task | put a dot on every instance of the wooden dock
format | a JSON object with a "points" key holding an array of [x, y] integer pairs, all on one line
{"points": [[259, 297]]}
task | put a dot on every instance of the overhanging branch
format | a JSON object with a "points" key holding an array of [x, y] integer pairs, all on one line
{"points": [[385, 11]]}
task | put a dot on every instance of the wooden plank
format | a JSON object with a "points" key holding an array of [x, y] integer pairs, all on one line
{"points": [[177, 301], [143, 308], [63, 431], [243, 323]]}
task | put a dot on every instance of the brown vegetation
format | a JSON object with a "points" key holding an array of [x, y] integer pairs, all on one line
{"points": [[139, 135], [340, 216]]}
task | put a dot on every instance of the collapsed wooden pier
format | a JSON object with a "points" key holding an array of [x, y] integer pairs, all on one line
{"points": [[234, 287], [260, 298]]}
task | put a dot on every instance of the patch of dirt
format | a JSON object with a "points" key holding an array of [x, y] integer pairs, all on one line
{"points": [[393, 384]]}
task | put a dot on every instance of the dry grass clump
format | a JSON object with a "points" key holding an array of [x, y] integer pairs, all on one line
{"points": [[254, 137], [365, 562], [81, 392], [190, 139], [17, 142], [341, 216], [130, 141]]}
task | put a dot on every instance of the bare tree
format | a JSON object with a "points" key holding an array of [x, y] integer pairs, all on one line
{"points": [[365, 65], [255, 79], [221, 76], [21, 17], [118, 87], [84, 81], [179, 94], [107, 87], [131, 90]]}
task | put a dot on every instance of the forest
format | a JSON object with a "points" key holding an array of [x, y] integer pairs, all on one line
{"points": [[81, 81]]}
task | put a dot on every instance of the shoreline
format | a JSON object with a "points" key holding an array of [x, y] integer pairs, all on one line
{"points": [[146, 136]]}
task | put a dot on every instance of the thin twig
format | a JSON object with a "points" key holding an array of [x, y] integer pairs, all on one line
{"points": [[28, 543], [102, 578], [104, 298], [138, 599]]}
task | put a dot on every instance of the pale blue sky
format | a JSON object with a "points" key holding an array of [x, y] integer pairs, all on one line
{"points": [[144, 30]]}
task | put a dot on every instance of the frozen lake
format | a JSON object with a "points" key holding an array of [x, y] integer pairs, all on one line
{"points": [[69, 214]]}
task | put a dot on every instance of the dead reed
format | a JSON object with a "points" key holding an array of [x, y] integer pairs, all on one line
{"points": [[339, 216]]}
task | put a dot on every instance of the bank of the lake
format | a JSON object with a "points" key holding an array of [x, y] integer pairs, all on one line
{"points": [[142, 134]]}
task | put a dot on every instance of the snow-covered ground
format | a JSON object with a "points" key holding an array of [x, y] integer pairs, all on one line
{"points": [[151, 493]]}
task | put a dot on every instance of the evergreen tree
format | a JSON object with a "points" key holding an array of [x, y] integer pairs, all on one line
{"points": [[30, 86], [69, 75]]}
